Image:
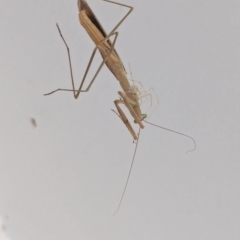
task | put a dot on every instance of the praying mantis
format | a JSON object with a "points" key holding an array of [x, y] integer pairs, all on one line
{"points": [[130, 95]]}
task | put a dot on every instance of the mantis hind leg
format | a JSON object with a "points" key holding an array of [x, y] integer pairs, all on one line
{"points": [[76, 93]]}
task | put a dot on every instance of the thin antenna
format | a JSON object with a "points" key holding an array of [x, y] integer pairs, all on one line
{"points": [[128, 173], [174, 132]]}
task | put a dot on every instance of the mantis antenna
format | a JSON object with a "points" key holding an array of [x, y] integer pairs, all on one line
{"points": [[129, 173], [124, 190], [174, 132]]}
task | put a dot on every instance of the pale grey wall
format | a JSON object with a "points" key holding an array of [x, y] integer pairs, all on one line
{"points": [[64, 179]]}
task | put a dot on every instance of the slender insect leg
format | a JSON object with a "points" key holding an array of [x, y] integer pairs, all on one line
{"points": [[149, 93], [121, 21], [77, 92], [101, 65], [132, 112], [124, 118]]}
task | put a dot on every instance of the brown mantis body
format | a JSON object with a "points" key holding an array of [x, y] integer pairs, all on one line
{"points": [[129, 96]]}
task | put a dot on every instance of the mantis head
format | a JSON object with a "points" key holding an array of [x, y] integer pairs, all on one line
{"points": [[134, 89]]}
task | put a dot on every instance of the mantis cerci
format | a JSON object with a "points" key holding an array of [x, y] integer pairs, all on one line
{"points": [[131, 95]]}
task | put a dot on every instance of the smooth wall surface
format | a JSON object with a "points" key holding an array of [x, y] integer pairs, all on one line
{"points": [[62, 176]]}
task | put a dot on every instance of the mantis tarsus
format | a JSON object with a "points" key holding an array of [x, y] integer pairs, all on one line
{"points": [[131, 95]]}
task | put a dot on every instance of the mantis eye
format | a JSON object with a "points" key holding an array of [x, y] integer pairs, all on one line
{"points": [[143, 116]]}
